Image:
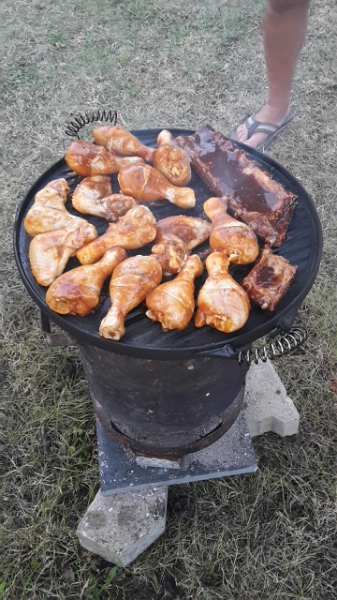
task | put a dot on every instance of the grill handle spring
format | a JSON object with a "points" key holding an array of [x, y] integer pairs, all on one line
{"points": [[82, 119], [287, 343]]}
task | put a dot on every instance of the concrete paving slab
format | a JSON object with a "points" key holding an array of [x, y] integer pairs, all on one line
{"points": [[266, 403], [120, 527], [232, 454]]}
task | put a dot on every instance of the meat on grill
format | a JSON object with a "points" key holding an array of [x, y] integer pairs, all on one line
{"points": [[269, 280], [131, 281], [120, 141], [146, 184], [87, 159], [221, 303], [172, 303], [48, 212], [93, 196], [78, 291], [134, 230], [50, 252], [171, 160], [176, 237], [234, 238], [254, 197]]}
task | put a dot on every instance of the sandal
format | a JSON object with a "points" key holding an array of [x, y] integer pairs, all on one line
{"points": [[254, 126]]}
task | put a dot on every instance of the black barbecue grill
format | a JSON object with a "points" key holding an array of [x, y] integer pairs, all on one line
{"points": [[136, 384]]}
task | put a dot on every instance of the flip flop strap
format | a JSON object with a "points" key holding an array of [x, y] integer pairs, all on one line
{"points": [[254, 126]]}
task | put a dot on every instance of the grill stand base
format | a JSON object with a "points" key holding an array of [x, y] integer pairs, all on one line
{"points": [[120, 472], [129, 513]]}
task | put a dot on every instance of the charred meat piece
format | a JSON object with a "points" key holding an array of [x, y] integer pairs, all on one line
{"points": [[254, 197], [269, 280]]}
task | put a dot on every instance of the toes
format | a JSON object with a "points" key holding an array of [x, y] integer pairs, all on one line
{"points": [[241, 133], [253, 141], [256, 139]]}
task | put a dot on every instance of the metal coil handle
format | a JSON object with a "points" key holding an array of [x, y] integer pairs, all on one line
{"points": [[82, 119], [287, 343]]}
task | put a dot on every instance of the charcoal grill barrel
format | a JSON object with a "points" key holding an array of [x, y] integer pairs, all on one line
{"points": [[163, 407]]}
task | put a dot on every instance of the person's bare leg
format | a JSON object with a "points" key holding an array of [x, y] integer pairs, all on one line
{"points": [[284, 32]]}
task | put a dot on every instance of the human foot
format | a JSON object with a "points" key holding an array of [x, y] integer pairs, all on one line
{"points": [[257, 132]]}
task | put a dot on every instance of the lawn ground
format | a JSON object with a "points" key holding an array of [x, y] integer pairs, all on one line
{"points": [[267, 536]]}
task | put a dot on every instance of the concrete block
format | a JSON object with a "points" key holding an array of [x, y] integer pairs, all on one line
{"points": [[120, 527], [266, 403]]}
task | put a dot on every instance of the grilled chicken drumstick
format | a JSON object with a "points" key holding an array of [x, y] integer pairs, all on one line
{"points": [[269, 280], [93, 196], [77, 291], [119, 141], [87, 159], [134, 230], [172, 303], [48, 213], [171, 160], [176, 237], [130, 283], [222, 303], [232, 237], [50, 252], [146, 184]]}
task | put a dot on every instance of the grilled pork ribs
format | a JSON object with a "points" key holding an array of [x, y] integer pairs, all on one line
{"points": [[253, 196]]}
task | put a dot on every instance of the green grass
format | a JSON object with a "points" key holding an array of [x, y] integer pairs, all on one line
{"points": [[267, 536]]}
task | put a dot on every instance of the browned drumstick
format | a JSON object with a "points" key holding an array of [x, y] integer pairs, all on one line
{"points": [[78, 291], [146, 184], [172, 303], [120, 141], [134, 230], [130, 283], [87, 159], [221, 303], [171, 160], [234, 238]]}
